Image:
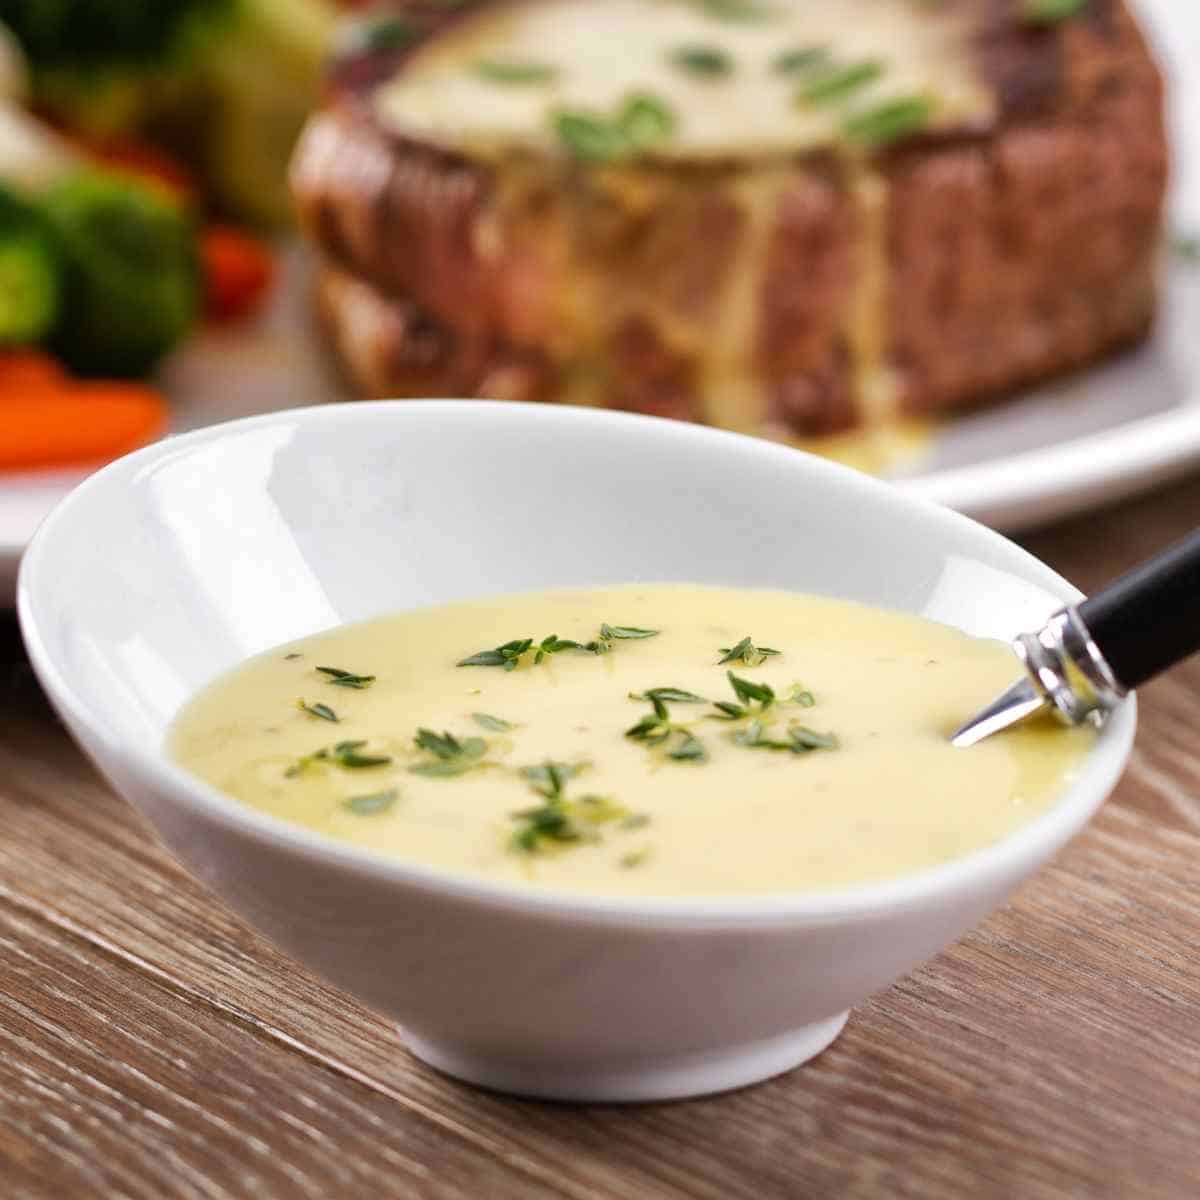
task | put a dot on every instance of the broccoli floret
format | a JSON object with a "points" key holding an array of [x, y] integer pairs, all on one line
{"points": [[29, 273], [104, 33], [131, 284]]}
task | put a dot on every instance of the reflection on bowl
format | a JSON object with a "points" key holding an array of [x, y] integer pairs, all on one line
{"points": [[237, 538]]}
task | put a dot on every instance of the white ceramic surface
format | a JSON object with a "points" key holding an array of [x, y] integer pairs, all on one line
{"points": [[176, 563]]}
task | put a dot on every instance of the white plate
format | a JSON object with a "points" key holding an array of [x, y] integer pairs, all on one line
{"points": [[1098, 437]]}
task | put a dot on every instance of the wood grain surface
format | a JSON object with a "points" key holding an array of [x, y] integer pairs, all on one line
{"points": [[151, 1046]]}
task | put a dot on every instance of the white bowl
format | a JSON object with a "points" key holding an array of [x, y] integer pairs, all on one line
{"points": [[176, 563]]}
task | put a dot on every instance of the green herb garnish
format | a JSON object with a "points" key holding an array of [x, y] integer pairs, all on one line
{"points": [[618, 633], [634, 858], [890, 121], [558, 821], [645, 120], [495, 724], [347, 679], [734, 10], [800, 739], [1050, 12], [797, 62], [589, 137], [748, 692], [800, 695], [451, 756], [705, 62], [670, 695], [507, 656], [748, 653], [519, 73], [318, 710], [292, 657], [343, 754], [657, 729], [554, 645], [550, 778], [838, 82], [373, 804]]}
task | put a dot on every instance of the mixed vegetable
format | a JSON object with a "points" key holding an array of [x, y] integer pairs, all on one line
{"points": [[143, 152]]}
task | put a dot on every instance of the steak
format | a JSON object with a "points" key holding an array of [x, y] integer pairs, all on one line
{"points": [[1010, 230]]}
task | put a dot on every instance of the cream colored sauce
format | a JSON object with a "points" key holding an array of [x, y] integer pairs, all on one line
{"points": [[893, 796], [602, 50]]}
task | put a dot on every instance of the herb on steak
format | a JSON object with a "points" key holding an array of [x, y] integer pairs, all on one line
{"points": [[372, 805], [641, 123], [589, 137], [839, 82], [1050, 12], [890, 121], [734, 10], [747, 653], [497, 71], [801, 60], [645, 121], [705, 62]]}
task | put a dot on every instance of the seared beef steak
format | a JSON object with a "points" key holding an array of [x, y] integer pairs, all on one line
{"points": [[823, 215]]}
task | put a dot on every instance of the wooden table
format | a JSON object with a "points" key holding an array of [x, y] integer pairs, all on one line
{"points": [[152, 1046]]}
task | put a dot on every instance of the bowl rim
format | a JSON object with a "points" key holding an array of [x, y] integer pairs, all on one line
{"points": [[1013, 856]]}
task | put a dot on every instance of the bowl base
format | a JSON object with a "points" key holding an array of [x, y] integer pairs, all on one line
{"points": [[631, 1082]]}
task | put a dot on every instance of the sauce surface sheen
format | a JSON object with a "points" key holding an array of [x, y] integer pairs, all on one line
{"points": [[888, 797]]}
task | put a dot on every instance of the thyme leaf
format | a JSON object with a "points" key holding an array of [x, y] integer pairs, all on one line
{"points": [[798, 61], [670, 695], [836, 83], [373, 804], [507, 656], [323, 711], [495, 724], [889, 121], [451, 756], [705, 62], [342, 754], [747, 653], [550, 779], [347, 679], [517, 73]]}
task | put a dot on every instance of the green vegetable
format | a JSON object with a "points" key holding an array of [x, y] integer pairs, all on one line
{"points": [[102, 33], [706, 62], [29, 273], [131, 287]]}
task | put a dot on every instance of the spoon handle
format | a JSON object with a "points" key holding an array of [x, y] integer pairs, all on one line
{"points": [[1149, 619]]}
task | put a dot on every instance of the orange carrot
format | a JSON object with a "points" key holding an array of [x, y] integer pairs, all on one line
{"points": [[238, 271], [27, 370], [77, 423]]}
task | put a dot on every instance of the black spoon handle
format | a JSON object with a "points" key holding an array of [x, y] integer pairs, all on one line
{"points": [[1149, 619]]}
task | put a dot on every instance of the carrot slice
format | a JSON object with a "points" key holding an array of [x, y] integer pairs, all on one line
{"points": [[77, 423], [23, 370], [238, 270]]}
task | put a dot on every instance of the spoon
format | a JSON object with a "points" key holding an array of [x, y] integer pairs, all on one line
{"points": [[1088, 657]]}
